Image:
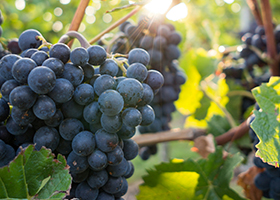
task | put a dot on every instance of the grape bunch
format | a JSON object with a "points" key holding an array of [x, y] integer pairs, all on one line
{"points": [[79, 104], [161, 41]]}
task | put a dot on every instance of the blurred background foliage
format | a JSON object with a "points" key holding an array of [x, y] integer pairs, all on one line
{"points": [[208, 23]]}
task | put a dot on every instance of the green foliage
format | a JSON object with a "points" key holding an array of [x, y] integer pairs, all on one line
{"points": [[217, 125], [35, 174], [203, 179], [267, 122]]}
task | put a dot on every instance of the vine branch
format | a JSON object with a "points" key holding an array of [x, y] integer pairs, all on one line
{"points": [[190, 134], [166, 136], [254, 6], [116, 24], [270, 39], [78, 17]]}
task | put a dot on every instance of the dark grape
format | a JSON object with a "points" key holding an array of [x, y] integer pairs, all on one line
{"points": [[39, 57], [97, 55], [110, 102], [111, 124], [84, 94], [60, 51], [85, 192], [78, 164], [46, 136], [22, 68], [56, 65], [97, 160], [74, 74], [44, 108], [79, 56], [69, 128], [106, 141], [83, 143], [22, 97], [41, 80], [62, 91], [6, 64], [28, 39]]}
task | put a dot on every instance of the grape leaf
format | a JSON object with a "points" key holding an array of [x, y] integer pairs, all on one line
{"points": [[35, 173], [267, 122], [202, 179]]}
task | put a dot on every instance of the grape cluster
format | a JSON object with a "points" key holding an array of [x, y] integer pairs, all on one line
{"points": [[160, 40], [268, 180], [83, 109], [248, 57]]}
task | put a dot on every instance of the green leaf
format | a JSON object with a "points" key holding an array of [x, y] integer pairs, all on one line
{"points": [[191, 180], [218, 125], [32, 172], [267, 122], [201, 112], [235, 102]]}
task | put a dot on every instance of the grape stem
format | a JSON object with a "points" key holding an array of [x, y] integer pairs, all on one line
{"points": [[254, 6], [190, 134], [120, 62], [227, 114], [271, 44], [174, 3], [241, 93], [74, 34], [116, 24], [78, 17], [166, 136]]}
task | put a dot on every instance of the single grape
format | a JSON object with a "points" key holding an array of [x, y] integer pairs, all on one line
{"points": [[29, 39], [131, 90], [4, 110], [106, 141], [60, 51], [109, 67], [103, 83], [22, 117], [22, 68], [97, 55], [6, 64], [69, 128], [84, 94], [79, 56], [92, 113], [47, 137], [7, 87], [54, 64], [74, 74], [44, 108], [22, 97], [97, 179], [41, 80], [83, 143], [130, 149], [62, 91], [39, 57], [115, 157], [97, 160], [138, 55], [110, 102], [77, 164], [111, 124], [85, 192]]}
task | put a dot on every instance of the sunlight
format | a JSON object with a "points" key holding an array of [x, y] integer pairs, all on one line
{"points": [[178, 12], [158, 6]]}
